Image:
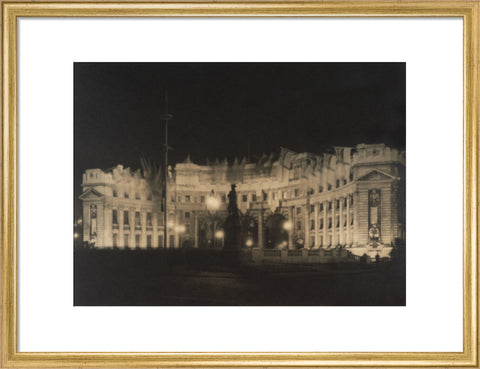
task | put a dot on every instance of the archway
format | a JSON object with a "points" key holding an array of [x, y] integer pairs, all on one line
{"points": [[276, 235]]}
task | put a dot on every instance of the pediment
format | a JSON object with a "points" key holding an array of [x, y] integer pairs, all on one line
{"points": [[376, 175], [90, 194]]}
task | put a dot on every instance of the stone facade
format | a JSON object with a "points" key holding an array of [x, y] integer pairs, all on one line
{"points": [[350, 196]]}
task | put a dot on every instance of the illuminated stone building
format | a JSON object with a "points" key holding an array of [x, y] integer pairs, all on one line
{"points": [[349, 197]]}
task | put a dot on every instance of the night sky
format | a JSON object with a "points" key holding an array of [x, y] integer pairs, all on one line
{"points": [[231, 109]]}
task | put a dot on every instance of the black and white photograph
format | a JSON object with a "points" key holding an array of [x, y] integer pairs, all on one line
{"points": [[239, 184]]}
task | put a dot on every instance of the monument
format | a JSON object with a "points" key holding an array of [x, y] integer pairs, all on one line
{"points": [[233, 231]]}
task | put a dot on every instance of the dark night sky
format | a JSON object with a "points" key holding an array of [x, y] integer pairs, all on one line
{"points": [[222, 109]]}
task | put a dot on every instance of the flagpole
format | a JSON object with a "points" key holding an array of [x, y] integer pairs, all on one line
{"points": [[165, 118]]}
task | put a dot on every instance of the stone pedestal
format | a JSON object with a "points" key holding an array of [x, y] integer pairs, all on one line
{"points": [[233, 233]]}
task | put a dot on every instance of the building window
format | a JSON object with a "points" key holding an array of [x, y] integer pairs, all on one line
{"points": [[187, 228], [329, 223], [351, 219], [115, 193], [321, 206], [329, 205], [202, 199], [160, 241], [172, 198], [149, 219], [244, 198], [351, 200], [125, 240], [137, 196], [125, 218], [137, 218], [115, 240], [345, 201], [337, 223], [149, 241], [320, 189], [337, 205], [137, 240], [311, 191], [312, 224], [351, 177], [284, 194], [274, 196], [321, 240], [329, 187], [297, 192], [321, 223], [254, 198], [345, 222], [337, 183], [187, 198], [299, 226], [299, 211], [312, 208], [114, 217], [296, 172], [344, 181], [125, 195]]}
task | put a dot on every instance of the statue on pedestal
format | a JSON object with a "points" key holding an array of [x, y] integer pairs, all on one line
{"points": [[232, 202], [233, 234]]}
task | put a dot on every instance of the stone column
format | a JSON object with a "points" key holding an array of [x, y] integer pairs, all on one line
{"points": [[355, 235], [154, 228], [334, 223], [107, 230], [316, 230], [131, 218], [195, 228], [325, 222], [120, 227], [347, 235], [306, 243], [143, 223], [340, 229], [86, 221], [290, 232]]}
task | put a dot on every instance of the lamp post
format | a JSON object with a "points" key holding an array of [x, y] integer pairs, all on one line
{"points": [[288, 226], [220, 235], [180, 229], [213, 204], [166, 117]]}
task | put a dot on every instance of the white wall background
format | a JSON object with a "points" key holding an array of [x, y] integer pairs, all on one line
{"points": [[432, 319]]}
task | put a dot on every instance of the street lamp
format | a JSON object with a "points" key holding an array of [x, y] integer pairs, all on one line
{"points": [[180, 228], [288, 225], [219, 235], [213, 204]]}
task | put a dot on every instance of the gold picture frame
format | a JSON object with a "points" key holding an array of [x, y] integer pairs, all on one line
{"points": [[467, 10]]}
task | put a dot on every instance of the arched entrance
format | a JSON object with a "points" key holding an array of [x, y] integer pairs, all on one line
{"points": [[276, 235]]}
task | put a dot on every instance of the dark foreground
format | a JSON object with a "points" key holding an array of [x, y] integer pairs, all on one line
{"points": [[192, 277]]}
